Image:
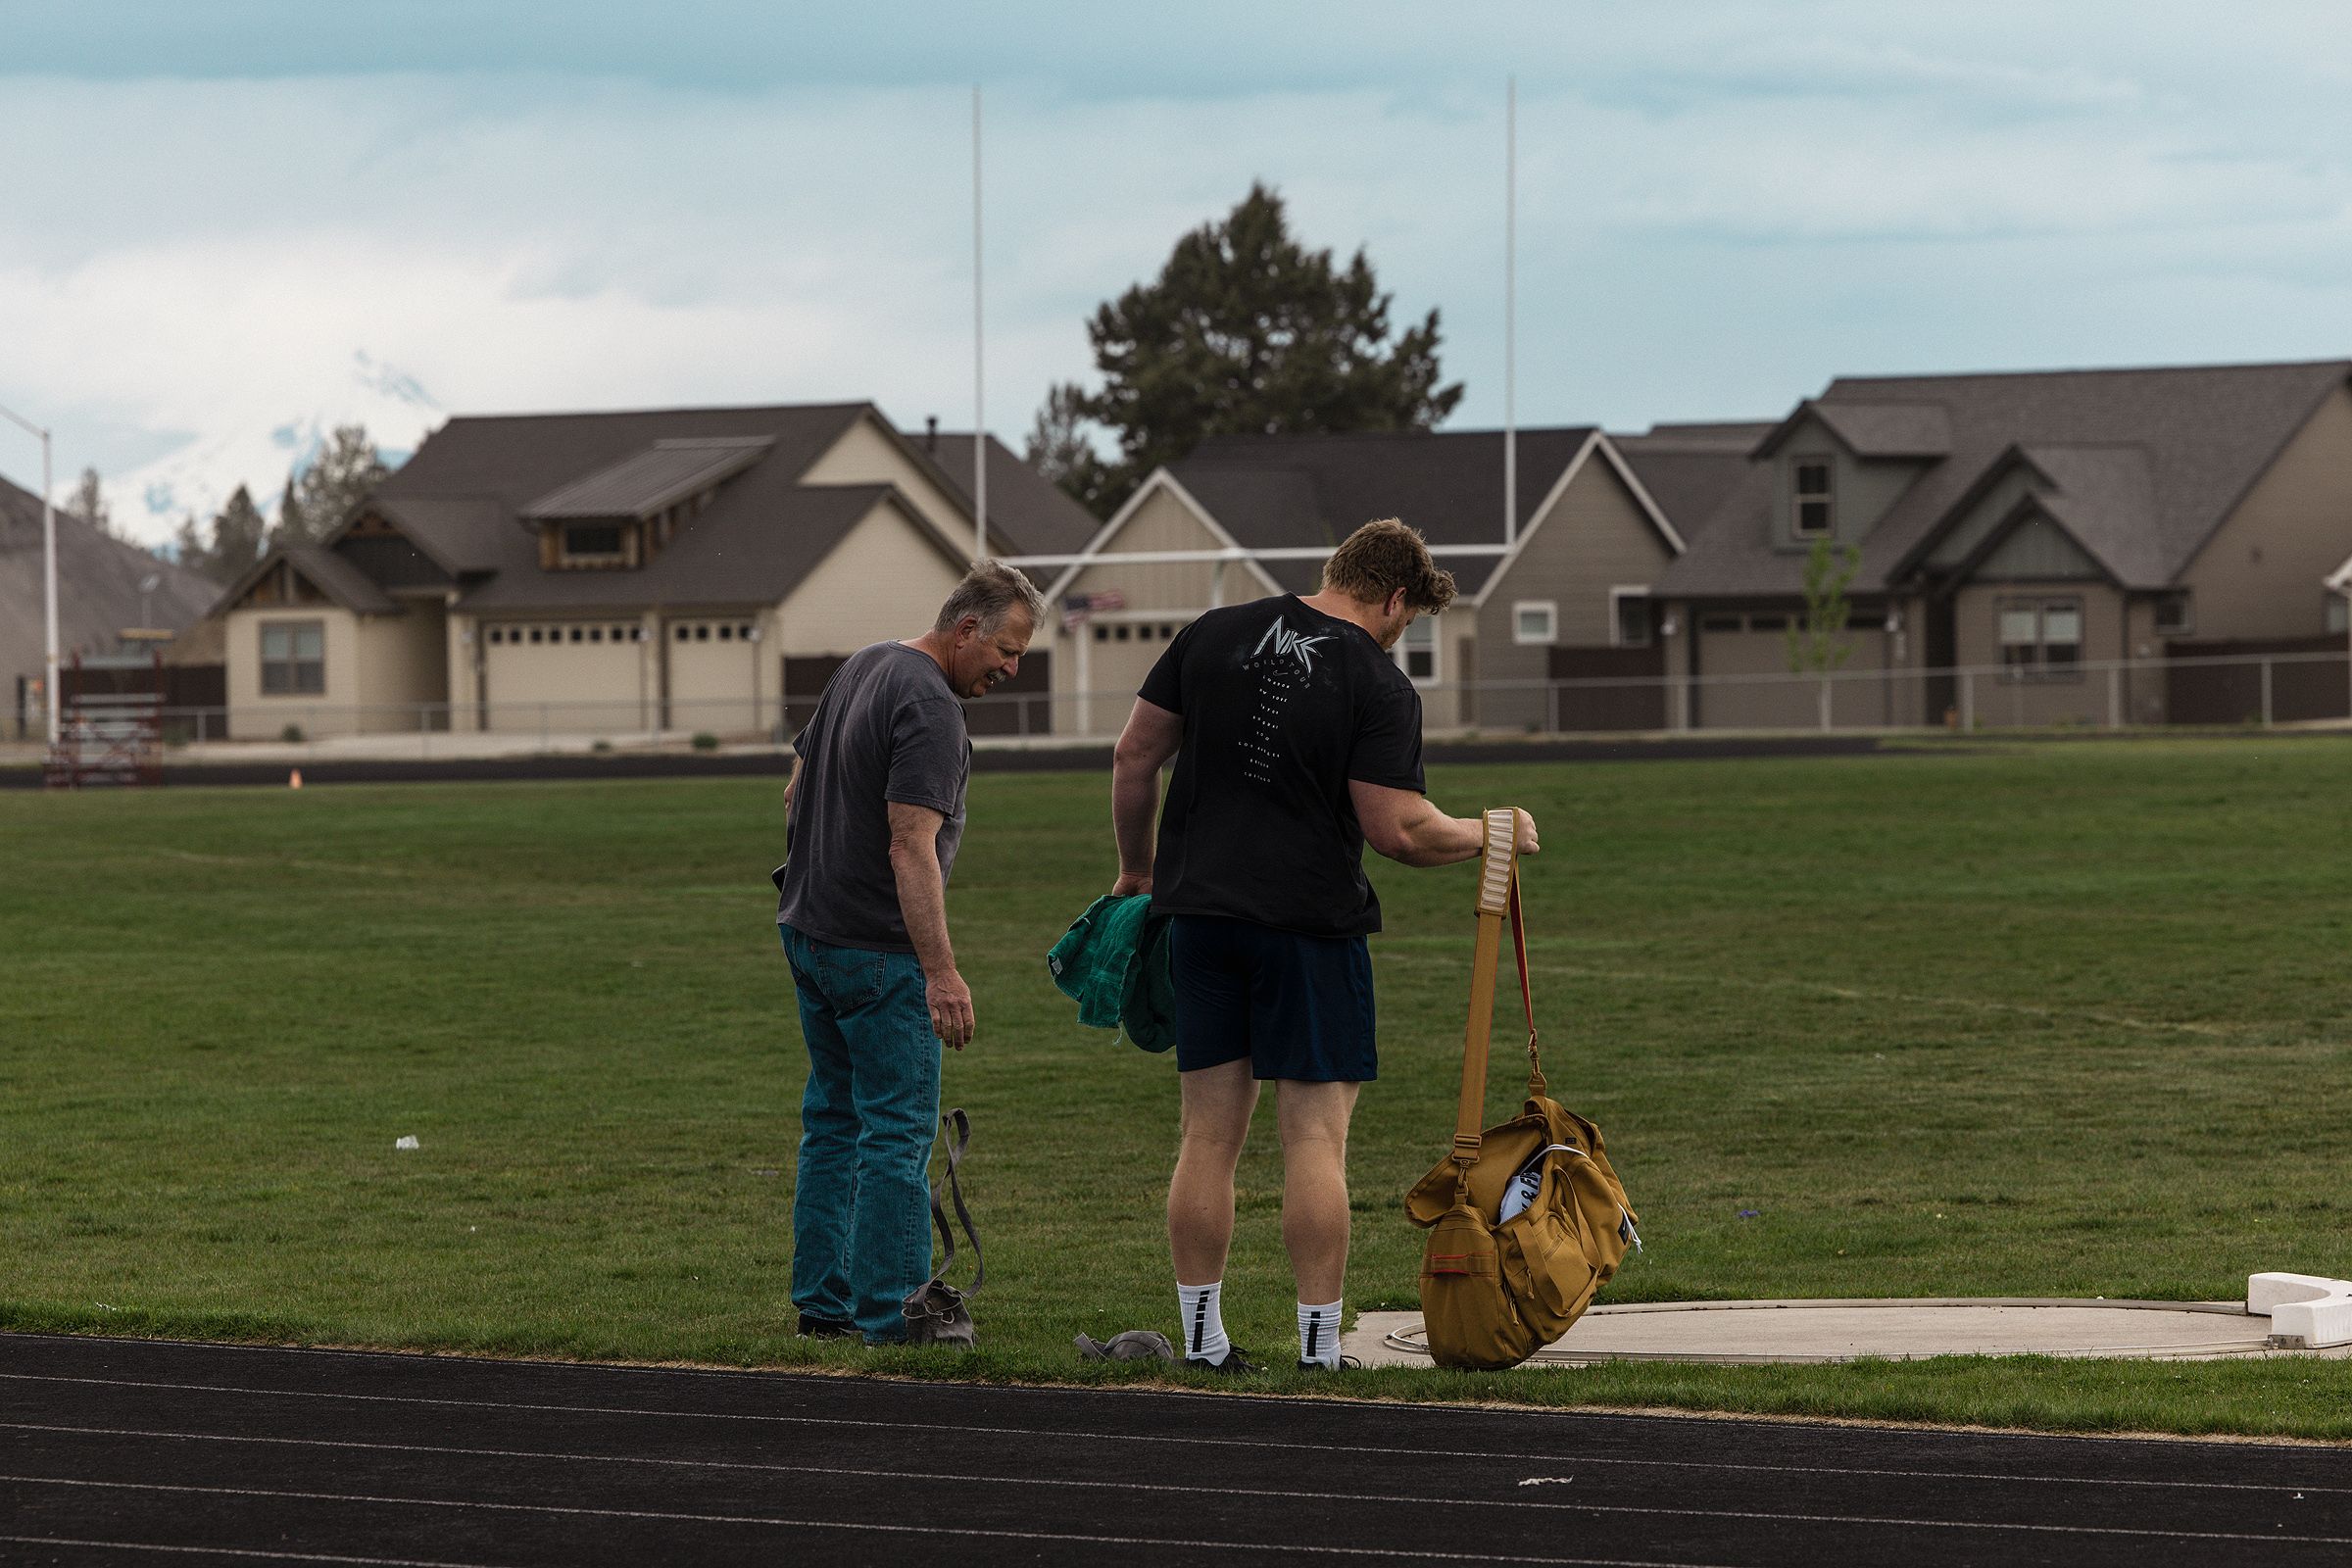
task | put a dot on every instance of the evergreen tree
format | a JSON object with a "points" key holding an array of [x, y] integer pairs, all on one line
{"points": [[291, 527], [239, 535], [1058, 448], [1247, 331], [88, 503], [336, 479]]}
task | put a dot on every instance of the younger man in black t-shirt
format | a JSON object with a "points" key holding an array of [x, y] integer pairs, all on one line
{"points": [[1296, 740]]}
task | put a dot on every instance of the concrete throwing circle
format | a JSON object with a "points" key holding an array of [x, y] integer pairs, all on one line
{"points": [[1742, 1333]]}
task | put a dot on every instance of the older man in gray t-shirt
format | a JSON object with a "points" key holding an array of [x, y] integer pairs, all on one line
{"points": [[874, 816]]}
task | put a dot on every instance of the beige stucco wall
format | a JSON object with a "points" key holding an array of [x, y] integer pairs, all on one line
{"points": [[885, 578], [254, 717], [567, 687], [2260, 575], [1998, 701], [1593, 537], [403, 666]]}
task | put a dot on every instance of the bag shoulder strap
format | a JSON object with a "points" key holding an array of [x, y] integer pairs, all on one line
{"points": [[955, 1133], [1498, 901]]}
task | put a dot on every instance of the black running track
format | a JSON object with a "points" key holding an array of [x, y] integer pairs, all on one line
{"points": [[129, 1452], [1038, 759]]}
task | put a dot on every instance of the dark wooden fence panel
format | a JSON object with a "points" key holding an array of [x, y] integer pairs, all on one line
{"points": [[2232, 694], [1631, 706]]}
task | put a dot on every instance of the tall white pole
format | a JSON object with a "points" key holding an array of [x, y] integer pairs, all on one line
{"points": [[48, 562], [49, 583], [979, 379], [1511, 308]]}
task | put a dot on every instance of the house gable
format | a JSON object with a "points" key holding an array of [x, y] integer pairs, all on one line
{"points": [[2250, 577], [889, 566], [870, 450], [1162, 514], [1863, 486], [2035, 548]]}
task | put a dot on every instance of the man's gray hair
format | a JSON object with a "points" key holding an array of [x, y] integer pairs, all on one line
{"points": [[990, 590]]}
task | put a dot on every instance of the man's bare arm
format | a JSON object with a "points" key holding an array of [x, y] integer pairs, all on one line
{"points": [[1151, 736], [1409, 828], [791, 784], [923, 905]]}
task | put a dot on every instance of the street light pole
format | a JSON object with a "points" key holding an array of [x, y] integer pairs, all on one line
{"points": [[49, 565]]}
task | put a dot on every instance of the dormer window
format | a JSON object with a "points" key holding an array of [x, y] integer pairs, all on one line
{"points": [[594, 544], [1811, 508]]}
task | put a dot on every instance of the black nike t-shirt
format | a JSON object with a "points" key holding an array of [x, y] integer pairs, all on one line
{"points": [[1282, 706]]}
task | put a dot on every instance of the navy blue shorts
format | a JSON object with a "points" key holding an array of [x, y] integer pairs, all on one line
{"points": [[1297, 1006]]}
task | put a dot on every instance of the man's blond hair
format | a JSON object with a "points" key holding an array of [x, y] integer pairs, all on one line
{"points": [[1380, 558]]}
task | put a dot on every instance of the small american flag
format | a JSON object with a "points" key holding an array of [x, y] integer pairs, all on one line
{"points": [[1075, 607]]}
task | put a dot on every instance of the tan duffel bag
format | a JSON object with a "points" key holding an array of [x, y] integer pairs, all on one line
{"points": [[1527, 1220]]}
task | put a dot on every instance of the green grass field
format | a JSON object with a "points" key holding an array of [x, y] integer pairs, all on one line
{"points": [[2057, 1019]]}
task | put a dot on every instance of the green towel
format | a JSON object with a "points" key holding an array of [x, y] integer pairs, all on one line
{"points": [[1113, 963]]}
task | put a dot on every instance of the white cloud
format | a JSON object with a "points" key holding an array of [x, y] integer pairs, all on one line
{"points": [[1711, 221]]}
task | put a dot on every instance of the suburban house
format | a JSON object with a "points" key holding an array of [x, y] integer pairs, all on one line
{"points": [[2062, 535], [1573, 590], [607, 573]]}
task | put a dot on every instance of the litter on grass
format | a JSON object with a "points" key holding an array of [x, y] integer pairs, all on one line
{"points": [[407, 1141]]}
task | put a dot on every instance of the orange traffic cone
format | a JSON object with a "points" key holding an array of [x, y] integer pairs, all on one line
{"points": [[294, 779]]}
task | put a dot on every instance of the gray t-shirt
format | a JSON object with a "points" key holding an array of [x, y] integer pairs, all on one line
{"points": [[888, 728]]}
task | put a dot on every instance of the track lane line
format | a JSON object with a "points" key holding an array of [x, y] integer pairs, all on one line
{"points": [[1137, 1437], [1758, 1515], [780, 1522], [243, 1552], [1014, 1481]]}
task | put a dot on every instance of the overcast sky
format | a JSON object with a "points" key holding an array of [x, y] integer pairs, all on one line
{"points": [[220, 221]]}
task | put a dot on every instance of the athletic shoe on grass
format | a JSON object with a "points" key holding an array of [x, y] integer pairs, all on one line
{"points": [[1348, 1364], [1235, 1364], [825, 1328]]}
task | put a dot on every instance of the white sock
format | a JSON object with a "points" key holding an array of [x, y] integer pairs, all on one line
{"points": [[1319, 1334], [1204, 1322]]}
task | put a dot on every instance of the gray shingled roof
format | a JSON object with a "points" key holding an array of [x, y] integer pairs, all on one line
{"points": [[1311, 491], [464, 496], [1035, 515], [649, 481], [340, 580], [767, 541], [2203, 435], [475, 489], [1689, 469]]}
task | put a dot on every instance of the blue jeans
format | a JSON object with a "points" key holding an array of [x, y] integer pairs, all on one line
{"points": [[861, 1207]]}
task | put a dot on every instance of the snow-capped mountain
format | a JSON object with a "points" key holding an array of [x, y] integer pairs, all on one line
{"points": [[149, 501]]}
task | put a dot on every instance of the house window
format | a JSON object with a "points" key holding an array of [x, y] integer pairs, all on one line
{"points": [[293, 657], [1768, 623], [1721, 623], [537, 634], [1101, 632], [2042, 639], [1534, 622], [1810, 498], [1629, 618], [726, 634], [702, 634], [592, 542], [685, 633], [2172, 618], [1418, 650]]}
